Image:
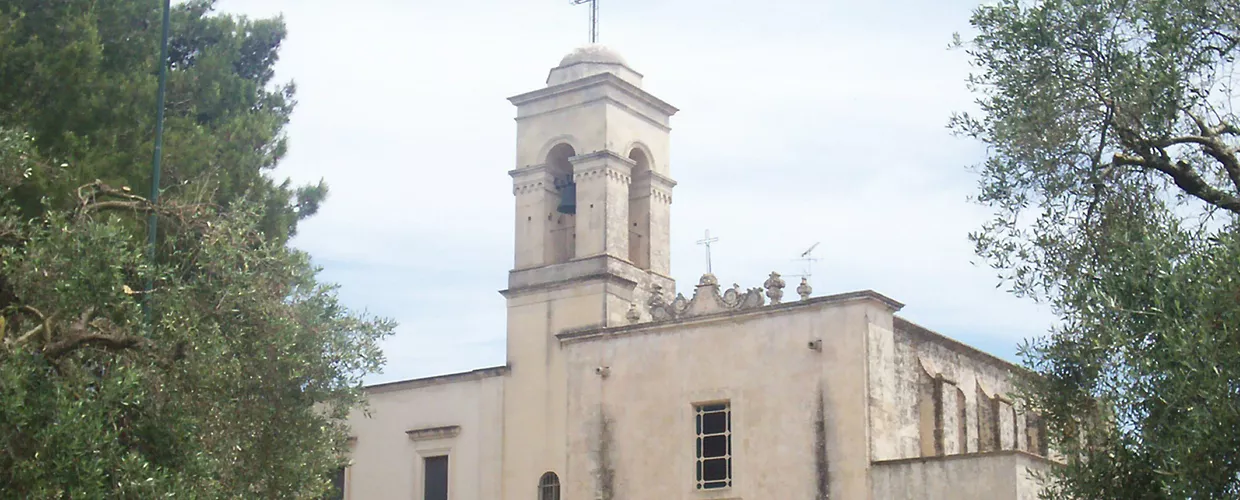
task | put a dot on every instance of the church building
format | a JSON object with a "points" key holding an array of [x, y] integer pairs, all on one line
{"points": [[617, 387]]}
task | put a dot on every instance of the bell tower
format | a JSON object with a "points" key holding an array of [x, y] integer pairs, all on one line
{"points": [[593, 223]]}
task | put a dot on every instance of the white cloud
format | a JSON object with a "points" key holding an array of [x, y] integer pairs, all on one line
{"points": [[801, 122]]}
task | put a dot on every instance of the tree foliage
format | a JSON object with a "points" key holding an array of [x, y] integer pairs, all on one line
{"points": [[1113, 172], [239, 385], [81, 75]]}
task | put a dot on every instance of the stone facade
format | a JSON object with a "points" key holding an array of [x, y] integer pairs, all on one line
{"points": [[456, 415], [617, 387]]}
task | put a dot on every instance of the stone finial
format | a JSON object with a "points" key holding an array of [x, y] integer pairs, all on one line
{"points": [[633, 315], [774, 288], [804, 289], [708, 279], [660, 310], [656, 296]]}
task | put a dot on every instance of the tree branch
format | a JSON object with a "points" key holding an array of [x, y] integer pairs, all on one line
{"points": [[44, 326], [1186, 139], [113, 342], [1211, 145], [29, 333], [1152, 155], [89, 198], [82, 336], [1185, 177], [138, 206]]}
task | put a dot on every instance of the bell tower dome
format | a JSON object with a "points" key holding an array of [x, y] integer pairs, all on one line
{"points": [[593, 193]]}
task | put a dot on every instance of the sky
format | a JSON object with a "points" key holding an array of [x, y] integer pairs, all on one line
{"points": [[801, 122]]}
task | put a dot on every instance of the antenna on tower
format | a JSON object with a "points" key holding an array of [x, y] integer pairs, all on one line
{"points": [[593, 18], [808, 258]]}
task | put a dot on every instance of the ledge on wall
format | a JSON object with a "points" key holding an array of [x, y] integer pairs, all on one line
{"points": [[429, 433]]}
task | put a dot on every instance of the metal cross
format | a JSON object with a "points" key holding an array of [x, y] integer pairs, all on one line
{"points": [[706, 242], [593, 18]]}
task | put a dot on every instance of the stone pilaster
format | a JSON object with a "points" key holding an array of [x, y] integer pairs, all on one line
{"points": [[660, 187], [602, 181], [533, 187]]}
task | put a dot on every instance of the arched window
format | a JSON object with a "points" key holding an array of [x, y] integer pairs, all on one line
{"points": [[549, 487]]}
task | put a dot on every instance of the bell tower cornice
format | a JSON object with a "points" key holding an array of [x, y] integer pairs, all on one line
{"points": [[604, 163], [532, 178], [601, 87], [659, 186]]}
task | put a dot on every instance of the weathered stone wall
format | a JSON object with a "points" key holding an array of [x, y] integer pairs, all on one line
{"points": [[797, 428], [943, 398], [975, 476], [459, 415]]}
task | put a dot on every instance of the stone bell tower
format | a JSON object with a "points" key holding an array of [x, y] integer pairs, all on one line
{"points": [[593, 198]]}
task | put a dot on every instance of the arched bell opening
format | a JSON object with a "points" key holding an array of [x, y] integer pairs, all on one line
{"points": [[639, 210], [561, 234]]}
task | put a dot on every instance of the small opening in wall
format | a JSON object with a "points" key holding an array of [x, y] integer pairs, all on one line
{"points": [[591, 205]]}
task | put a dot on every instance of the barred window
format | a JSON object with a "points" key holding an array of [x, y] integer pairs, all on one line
{"points": [[549, 487], [714, 446]]}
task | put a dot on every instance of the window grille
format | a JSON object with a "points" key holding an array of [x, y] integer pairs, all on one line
{"points": [[714, 446], [549, 487]]}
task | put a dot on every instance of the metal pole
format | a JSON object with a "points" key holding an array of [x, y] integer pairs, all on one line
{"points": [[594, 21], [152, 227]]}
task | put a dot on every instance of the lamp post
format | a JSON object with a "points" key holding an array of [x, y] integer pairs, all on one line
{"points": [[152, 226]]}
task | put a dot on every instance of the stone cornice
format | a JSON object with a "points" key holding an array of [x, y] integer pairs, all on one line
{"points": [[528, 170], [554, 276], [429, 433], [600, 79], [661, 187], [910, 328], [610, 171], [472, 375], [533, 178], [606, 164], [604, 155], [985, 455], [586, 335], [568, 282], [653, 184], [662, 180], [605, 98]]}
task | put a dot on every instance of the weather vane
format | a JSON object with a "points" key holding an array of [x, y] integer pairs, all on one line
{"points": [[706, 242], [593, 18]]}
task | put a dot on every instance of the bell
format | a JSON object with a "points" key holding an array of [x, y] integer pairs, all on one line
{"points": [[568, 198]]}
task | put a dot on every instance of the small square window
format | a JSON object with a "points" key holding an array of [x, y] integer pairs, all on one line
{"points": [[714, 445]]}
